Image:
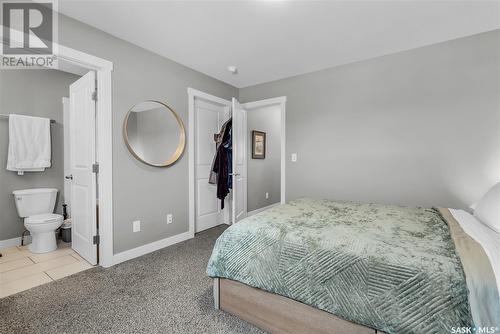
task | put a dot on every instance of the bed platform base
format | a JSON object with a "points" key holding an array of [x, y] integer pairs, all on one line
{"points": [[278, 314]]}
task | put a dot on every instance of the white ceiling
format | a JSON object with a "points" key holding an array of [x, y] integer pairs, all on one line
{"points": [[270, 40]]}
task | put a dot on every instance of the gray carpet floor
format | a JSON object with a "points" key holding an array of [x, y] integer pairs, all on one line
{"points": [[163, 292]]}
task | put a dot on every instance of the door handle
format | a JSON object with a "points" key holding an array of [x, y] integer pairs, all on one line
{"points": [[69, 177]]}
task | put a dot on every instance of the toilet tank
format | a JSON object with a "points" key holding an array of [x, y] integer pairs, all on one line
{"points": [[30, 202]]}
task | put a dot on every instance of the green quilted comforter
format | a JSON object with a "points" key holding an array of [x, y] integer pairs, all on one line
{"points": [[387, 267]]}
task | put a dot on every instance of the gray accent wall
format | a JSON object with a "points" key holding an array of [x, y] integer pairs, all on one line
{"points": [[33, 93], [142, 192], [420, 127], [264, 175]]}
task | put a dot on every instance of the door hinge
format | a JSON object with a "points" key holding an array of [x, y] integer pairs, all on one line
{"points": [[96, 240], [95, 168], [94, 95]]}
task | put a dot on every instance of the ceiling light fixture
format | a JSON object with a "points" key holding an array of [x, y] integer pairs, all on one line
{"points": [[232, 69]]}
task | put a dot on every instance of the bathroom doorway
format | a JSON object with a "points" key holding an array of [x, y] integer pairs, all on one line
{"points": [[34, 200], [20, 267], [98, 237]]}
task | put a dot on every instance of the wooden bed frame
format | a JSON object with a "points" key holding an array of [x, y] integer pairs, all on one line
{"points": [[278, 314]]}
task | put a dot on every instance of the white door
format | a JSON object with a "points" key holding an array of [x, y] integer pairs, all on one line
{"points": [[208, 117], [82, 157], [66, 143], [239, 137]]}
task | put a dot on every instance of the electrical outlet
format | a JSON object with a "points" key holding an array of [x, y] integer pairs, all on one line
{"points": [[136, 226], [294, 157], [170, 218], [267, 195]]}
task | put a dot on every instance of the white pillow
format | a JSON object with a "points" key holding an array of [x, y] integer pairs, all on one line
{"points": [[488, 208]]}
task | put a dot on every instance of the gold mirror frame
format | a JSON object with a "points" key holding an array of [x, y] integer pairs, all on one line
{"points": [[180, 147]]}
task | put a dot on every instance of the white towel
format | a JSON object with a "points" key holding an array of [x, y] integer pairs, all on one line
{"points": [[29, 144]]}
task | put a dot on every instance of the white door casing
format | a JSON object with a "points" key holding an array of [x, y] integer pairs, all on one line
{"points": [[104, 68], [82, 125], [239, 117], [208, 118], [281, 101], [239, 137]]}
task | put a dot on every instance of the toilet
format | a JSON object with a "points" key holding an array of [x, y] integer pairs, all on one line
{"points": [[36, 207]]}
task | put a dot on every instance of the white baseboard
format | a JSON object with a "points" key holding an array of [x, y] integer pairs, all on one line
{"points": [[151, 247], [254, 212], [14, 242]]}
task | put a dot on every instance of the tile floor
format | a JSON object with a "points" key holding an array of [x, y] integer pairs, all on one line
{"points": [[22, 270]]}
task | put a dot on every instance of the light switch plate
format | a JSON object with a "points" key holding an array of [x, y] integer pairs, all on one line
{"points": [[267, 195], [136, 226], [170, 218], [294, 157]]}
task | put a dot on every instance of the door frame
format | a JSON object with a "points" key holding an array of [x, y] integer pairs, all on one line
{"points": [[104, 149], [192, 95], [281, 101]]}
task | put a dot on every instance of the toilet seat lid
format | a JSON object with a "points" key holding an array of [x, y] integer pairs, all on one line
{"points": [[44, 218]]}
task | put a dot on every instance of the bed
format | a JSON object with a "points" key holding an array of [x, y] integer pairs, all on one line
{"points": [[321, 266]]}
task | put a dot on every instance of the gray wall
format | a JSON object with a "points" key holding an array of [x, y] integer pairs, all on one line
{"points": [[34, 93], [264, 174], [141, 192], [420, 127]]}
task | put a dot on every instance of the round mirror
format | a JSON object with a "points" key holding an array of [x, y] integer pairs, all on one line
{"points": [[154, 133]]}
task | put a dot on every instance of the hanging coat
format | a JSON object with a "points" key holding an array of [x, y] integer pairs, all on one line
{"points": [[228, 145], [222, 165], [212, 179]]}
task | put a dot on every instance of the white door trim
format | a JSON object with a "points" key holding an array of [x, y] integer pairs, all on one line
{"points": [[281, 101], [104, 149], [192, 94], [103, 69]]}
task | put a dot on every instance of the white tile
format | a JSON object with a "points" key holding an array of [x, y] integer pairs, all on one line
{"points": [[78, 257], [15, 274], [10, 265], [11, 256], [9, 250], [23, 284], [51, 255], [67, 270]]}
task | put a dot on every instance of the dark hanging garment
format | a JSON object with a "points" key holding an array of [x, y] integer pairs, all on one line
{"points": [[228, 145], [212, 179], [222, 164]]}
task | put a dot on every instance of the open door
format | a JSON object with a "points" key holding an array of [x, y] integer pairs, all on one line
{"points": [[239, 138], [82, 158]]}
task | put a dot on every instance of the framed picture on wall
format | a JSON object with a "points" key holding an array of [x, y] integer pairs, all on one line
{"points": [[258, 145]]}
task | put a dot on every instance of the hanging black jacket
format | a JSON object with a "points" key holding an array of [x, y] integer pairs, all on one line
{"points": [[221, 165]]}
